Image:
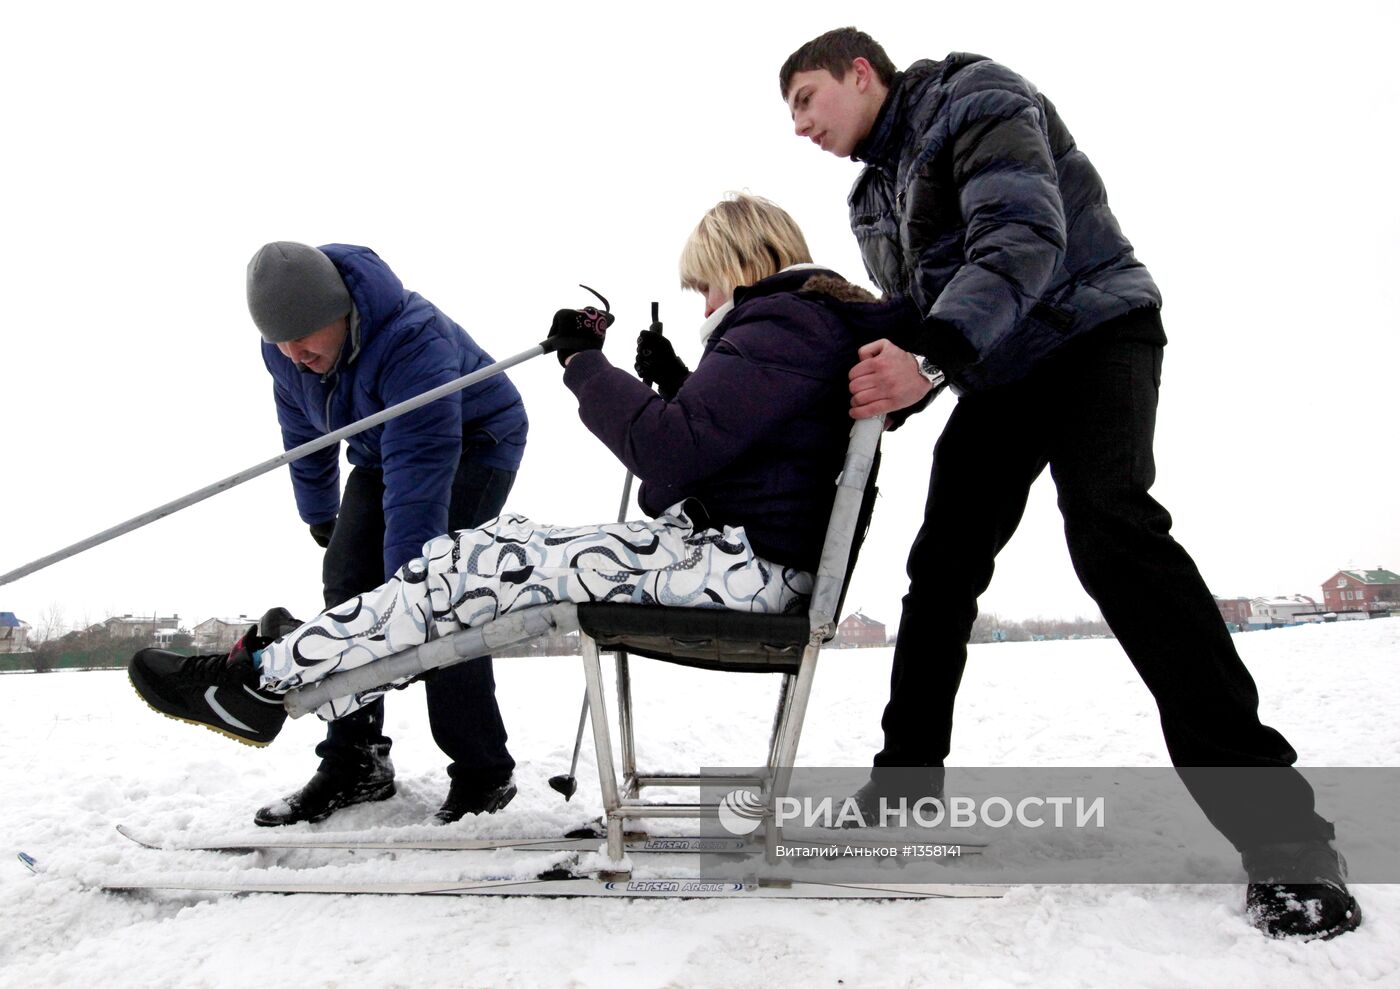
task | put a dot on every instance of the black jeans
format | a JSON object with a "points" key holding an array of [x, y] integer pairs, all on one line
{"points": [[462, 711], [1089, 414]]}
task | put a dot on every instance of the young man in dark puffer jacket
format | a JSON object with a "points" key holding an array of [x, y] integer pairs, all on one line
{"points": [[975, 205]]}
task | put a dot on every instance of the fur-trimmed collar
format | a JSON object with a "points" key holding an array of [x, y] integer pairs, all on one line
{"points": [[838, 288], [822, 280]]}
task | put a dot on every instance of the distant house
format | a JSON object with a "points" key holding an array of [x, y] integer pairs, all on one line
{"points": [[136, 627], [858, 631], [1235, 611], [12, 633], [219, 634], [1362, 590], [1282, 610]]}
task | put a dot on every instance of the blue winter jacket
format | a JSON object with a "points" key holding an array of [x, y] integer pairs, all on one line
{"points": [[400, 345], [976, 205], [759, 430]]}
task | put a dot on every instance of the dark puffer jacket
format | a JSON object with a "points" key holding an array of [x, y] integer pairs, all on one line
{"points": [[400, 346], [758, 432], [977, 206]]}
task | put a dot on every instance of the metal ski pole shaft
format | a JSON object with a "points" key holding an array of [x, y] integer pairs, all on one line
{"points": [[567, 784], [233, 480], [626, 498], [578, 739], [627, 483]]}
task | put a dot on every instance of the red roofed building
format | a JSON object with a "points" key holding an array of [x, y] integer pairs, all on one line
{"points": [[1361, 590], [1235, 611], [858, 631]]}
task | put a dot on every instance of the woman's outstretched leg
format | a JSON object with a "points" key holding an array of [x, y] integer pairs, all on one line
{"points": [[466, 579], [474, 576]]}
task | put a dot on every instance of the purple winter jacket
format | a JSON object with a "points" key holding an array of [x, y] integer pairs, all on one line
{"points": [[758, 431]]}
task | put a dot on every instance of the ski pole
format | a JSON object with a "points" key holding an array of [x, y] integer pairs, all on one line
{"points": [[296, 453], [567, 783], [627, 483]]}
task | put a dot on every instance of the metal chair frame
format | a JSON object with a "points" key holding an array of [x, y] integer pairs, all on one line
{"points": [[707, 638], [795, 660]]}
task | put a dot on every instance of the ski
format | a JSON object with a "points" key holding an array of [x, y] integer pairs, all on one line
{"points": [[634, 843], [353, 842], [29, 862], [581, 886]]}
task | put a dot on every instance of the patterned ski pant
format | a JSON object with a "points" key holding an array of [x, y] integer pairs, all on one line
{"points": [[470, 577]]}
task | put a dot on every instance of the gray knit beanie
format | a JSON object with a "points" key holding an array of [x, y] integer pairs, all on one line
{"points": [[294, 290]]}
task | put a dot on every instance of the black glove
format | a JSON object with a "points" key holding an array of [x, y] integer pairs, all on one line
{"points": [[321, 532], [574, 330], [657, 362]]}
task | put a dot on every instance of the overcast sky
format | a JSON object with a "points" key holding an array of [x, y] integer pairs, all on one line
{"points": [[497, 157]]}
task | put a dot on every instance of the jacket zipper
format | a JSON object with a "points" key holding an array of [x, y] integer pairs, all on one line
{"points": [[334, 379]]}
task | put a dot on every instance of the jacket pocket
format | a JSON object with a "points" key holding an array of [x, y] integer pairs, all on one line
{"points": [[1052, 316]]}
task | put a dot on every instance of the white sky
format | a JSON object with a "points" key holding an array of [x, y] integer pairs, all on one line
{"points": [[496, 158]]}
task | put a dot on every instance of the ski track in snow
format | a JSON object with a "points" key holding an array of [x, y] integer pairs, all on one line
{"points": [[85, 753]]}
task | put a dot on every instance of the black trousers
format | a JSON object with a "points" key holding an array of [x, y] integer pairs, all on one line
{"points": [[1089, 414], [462, 711]]}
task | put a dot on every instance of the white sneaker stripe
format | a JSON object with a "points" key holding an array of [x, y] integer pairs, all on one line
{"points": [[275, 701], [219, 710]]}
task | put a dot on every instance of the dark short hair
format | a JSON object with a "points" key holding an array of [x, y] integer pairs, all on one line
{"points": [[835, 51]]}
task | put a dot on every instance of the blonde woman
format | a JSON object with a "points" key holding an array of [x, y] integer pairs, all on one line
{"points": [[737, 462]]}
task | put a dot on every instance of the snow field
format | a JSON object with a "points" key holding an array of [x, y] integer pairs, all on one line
{"points": [[84, 754]]}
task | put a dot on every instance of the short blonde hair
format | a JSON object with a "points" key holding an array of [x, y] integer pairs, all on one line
{"points": [[739, 241]]}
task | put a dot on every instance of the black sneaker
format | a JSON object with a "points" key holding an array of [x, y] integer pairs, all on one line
{"points": [[219, 692], [327, 793], [465, 798], [1298, 889]]}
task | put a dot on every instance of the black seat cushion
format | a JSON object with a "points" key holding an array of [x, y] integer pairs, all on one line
{"points": [[705, 638]]}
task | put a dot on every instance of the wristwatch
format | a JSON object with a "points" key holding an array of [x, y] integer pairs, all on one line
{"points": [[928, 370]]}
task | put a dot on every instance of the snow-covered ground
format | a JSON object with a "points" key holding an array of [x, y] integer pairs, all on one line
{"points": [[83, 754]]}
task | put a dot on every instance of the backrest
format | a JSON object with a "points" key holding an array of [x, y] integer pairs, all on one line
{"points": [[845, 530], [719, 639], [867, 509]]}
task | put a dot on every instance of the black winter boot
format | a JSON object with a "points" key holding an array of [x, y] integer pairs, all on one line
{"points": [[473, 798], [327, 793], [890, 794], [1298, 889]]}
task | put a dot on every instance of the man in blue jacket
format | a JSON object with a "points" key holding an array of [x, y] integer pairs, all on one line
{"points": [[343, 339], [976, 206]]}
